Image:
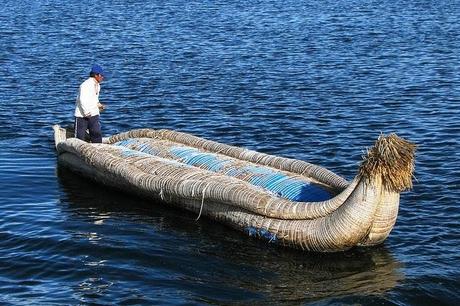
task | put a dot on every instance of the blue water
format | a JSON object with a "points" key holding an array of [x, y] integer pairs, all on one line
{"points": [[315, 81]]}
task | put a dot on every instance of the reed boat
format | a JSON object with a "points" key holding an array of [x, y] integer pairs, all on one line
{"points": [[284, 201]]}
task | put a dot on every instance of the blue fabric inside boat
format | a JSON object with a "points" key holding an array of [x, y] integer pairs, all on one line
{"points": [[277, 182]]}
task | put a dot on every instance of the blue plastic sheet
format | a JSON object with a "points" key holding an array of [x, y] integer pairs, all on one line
{"points": [[274, 181]]}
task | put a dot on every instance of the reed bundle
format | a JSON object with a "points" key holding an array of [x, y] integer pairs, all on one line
{"points": [[391, 159]]}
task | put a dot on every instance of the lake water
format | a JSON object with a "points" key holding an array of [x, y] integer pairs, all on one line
{"points": [[314, 81]]}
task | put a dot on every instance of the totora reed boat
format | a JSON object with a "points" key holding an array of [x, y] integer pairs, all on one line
{"points": [[284, 201]]}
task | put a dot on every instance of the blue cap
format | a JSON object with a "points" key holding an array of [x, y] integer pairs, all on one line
{"points": [[96, 69]]}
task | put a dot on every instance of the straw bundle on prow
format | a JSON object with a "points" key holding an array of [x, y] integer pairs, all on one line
{"points": [[392, 159]]}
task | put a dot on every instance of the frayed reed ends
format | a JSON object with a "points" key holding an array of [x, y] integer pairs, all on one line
{"points": [[392, 158]]}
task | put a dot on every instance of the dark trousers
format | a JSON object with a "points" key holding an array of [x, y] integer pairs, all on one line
{"points": [[88, 123]]}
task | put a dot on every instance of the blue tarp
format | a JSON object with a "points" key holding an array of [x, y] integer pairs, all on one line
{"points": [[274, 181]]}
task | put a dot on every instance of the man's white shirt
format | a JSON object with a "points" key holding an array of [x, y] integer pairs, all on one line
{"points": [[88, 98]]}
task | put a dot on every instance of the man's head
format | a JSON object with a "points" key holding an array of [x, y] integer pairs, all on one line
{"points": [[97, 73]]}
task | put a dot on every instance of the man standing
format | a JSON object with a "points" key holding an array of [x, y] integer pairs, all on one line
{"points": [[88, 106]]}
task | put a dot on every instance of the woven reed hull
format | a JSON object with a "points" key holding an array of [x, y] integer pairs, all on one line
{"points": [[362, 213]]}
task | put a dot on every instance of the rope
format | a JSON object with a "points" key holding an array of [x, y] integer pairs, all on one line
{"points": [[202, 203]]}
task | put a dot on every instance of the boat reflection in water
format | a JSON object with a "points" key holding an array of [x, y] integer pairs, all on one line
{"points": [[133, 234]]}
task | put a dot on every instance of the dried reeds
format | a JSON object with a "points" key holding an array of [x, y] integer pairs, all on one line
{"points": [[392, 159]]}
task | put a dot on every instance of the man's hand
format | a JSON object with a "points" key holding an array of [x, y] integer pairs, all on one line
{"points": [[101, 106]]}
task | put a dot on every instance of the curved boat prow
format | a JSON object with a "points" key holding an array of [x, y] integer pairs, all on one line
{"points": [[390, 162]]}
